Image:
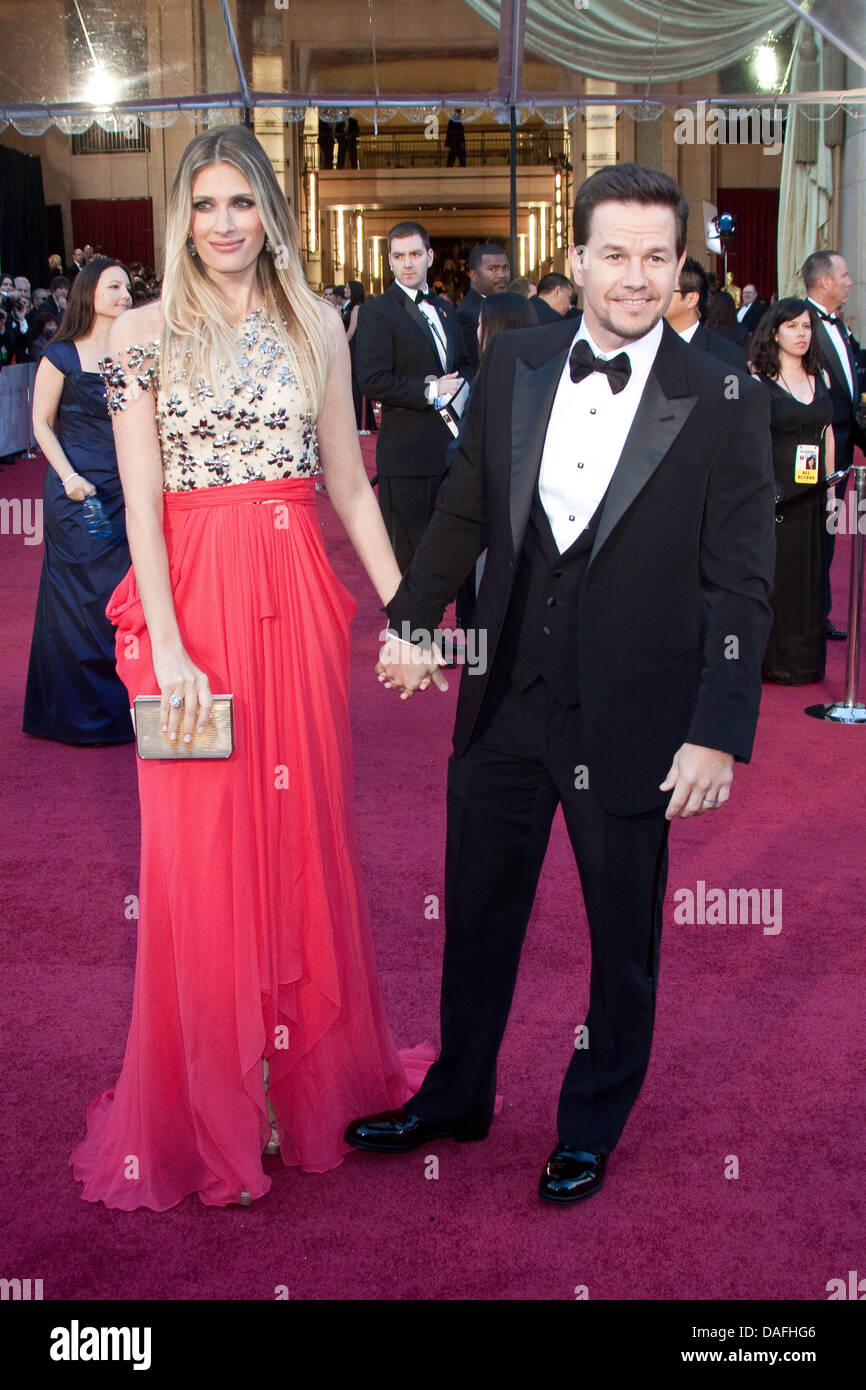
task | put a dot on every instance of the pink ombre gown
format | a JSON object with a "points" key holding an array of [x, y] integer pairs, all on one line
{"points": [[254, 936]]}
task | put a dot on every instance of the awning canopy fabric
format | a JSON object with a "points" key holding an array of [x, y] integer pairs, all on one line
{"points": [[70, 62]]}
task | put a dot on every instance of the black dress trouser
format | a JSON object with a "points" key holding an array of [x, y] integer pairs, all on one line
{"points": [[407, 505], [503, 792]]}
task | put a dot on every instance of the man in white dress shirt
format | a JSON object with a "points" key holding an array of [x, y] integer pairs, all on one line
{"points": [[825, 275], [623, 485], [752, 309], [410, 355]]}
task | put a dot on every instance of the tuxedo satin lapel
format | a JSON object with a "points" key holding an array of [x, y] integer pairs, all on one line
{"points": [[531, 403], [831, 359], [657, 422], [424, 327]]}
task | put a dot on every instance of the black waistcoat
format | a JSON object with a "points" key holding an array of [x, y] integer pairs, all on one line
{"points": [[539, 636]]}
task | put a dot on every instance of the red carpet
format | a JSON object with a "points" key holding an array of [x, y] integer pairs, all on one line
{"points": [[759, 1056]]}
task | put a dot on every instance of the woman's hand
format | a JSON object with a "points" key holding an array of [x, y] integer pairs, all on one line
{"points": [[77, 488], [176, 674]]}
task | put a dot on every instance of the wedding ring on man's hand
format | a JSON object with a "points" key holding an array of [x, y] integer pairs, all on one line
{"points": [[175, 701], [709, 801]]}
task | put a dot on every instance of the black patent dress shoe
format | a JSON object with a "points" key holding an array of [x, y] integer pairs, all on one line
{"points": [[399, 1132], [570, 1174], [835, 634]]}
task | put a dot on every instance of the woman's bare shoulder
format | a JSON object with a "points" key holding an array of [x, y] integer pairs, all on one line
{"points": [[140, 325]]}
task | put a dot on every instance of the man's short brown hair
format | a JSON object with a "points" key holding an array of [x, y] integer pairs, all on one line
{"points": [[405, 229], [629, 183]]}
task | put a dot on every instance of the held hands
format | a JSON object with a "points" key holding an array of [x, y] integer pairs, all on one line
{"points": [[701, 780], [177, 676], [405, 667]]}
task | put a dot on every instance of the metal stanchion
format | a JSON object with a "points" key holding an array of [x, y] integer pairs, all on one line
{"points": [[851, 710]]}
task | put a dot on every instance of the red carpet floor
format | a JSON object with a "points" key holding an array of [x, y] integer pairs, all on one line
{"points": [[758, 1065]]}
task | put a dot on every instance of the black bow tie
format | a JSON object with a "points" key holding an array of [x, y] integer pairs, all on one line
{"points": [[422, 295], [826, 318], [583, 361]]}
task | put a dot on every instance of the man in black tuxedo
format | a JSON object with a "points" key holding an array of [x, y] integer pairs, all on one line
{"points": [[825, 275], [751, 310], [623, 486], [489, 273], [77, 264], [688, 307], [553, 300], [409, 356], [18, 335]]}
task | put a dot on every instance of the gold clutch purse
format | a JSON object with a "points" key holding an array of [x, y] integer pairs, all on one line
{"points": [[217, 740]]}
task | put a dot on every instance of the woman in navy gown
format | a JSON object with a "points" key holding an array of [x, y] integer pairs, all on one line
{"points": [[73, 691]]}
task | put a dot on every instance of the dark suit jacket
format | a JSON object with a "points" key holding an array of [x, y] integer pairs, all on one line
{"points": [[17, 344], [673, 616], [543, 312], [846, 431], [395, 351], [468, 313], [707, 341], [753, 315]]}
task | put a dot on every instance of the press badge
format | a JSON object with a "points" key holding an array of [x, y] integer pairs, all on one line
{"points": [[806, 463]]}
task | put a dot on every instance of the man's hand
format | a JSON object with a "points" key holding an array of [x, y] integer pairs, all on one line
{"points": [[406, 667], [448, 386], [701, 780]]}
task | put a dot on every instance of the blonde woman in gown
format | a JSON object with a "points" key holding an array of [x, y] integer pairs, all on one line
{"points": [[257, 1021]]}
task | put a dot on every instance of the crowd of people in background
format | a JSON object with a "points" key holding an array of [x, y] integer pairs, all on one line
{"points": [[799, 349], [30, 318]]}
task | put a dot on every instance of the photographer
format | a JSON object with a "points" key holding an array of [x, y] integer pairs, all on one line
{"points": [[17, 337]]}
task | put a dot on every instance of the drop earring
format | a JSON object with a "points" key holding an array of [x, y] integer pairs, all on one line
{"points": [[268, 247], [190, 245]]}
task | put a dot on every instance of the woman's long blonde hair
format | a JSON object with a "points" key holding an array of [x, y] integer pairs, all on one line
{"points": [[198, 336]]}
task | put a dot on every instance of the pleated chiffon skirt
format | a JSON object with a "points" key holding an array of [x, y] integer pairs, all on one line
{"points": [[254, 935]]}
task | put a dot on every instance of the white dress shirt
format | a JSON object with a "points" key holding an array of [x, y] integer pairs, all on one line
{"points": [[688, 333], [434, 321], [743, 310], [586, 433], [837, 338]]}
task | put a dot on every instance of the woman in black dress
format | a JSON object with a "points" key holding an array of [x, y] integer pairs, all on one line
{"points": [[785, 358], [73, 692]]}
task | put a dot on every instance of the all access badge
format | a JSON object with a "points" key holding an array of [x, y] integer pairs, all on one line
{"points": [[806, 463]]}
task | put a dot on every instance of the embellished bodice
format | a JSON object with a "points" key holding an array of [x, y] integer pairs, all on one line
{"points": [[255, 428]]}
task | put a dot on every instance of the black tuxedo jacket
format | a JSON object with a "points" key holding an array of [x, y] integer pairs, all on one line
{"points": [[394, 351], [753, 315], [468, 313], [17, 344], [707, 341], [543, 311], [673, 616], [846, 431]]}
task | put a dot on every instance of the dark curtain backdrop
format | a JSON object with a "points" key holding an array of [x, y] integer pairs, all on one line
{"points": [[752, 256], [23, 227], [123, 227]]}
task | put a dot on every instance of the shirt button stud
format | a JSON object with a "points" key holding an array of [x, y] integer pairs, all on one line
{"points": [[571, 518], [592, 410], [580, 465]]}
